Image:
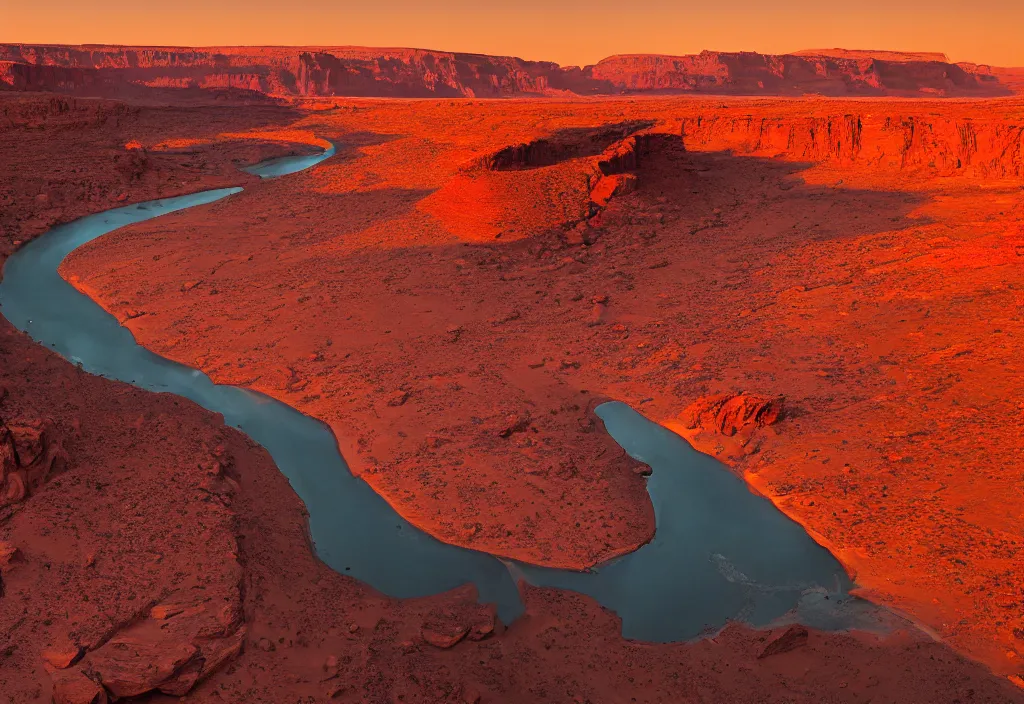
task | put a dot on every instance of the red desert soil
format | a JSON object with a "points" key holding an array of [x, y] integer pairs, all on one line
{"points": [[435, 295], [148, 545]]}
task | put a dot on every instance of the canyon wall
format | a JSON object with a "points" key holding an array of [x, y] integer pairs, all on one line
{"points": [[943, 145], [413, 73], [749, 73], [293, 71], [22, 76]]}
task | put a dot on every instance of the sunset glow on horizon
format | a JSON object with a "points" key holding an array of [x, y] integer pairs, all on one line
{"points": [[569, 32]]}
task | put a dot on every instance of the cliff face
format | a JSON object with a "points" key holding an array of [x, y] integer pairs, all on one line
{"points": [[345, 71], [751, 73], [414, 72], [944, 146], [358, 71], [21, 76]]}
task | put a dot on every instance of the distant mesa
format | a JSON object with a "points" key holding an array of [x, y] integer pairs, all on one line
{"points": [[876, 54], [311, 72]]}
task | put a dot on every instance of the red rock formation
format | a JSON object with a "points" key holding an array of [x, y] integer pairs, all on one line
{"points": [[752, 73], [75, 687], [16, 75], [880, 54], [299, 71], [941, 145], [31, 452], [728, 414], [363, 71]]}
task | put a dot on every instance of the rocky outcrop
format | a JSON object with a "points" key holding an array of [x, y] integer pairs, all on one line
{"points": [[728, 414], [168, 647], [292, 71], [24, 76], [410, 73], [31, 452], [616, 166], [614, 153], [177, 646], [944, 145], [75, 687], [421, 73], [615, 145]]}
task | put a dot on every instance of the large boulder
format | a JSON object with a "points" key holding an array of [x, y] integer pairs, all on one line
{"points": [[728, 414]]}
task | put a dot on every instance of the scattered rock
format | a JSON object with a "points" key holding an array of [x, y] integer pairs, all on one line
{"points": [[482, 630], [28, 440], [165, 611], [335, 690], [792, 638], [641, 469], [15, 489], [183, 680], [577, 235], [330, 668], [128, 666], [443, 639], [398, 398], [9, 555], [514, 423], [583, 232], [74, 687], [62, 654]]}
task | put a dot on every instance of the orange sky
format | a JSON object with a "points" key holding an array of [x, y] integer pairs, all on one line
{"points": [[565, 31]]}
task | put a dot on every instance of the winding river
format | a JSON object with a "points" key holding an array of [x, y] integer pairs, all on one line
{"points": [[720, 552]]}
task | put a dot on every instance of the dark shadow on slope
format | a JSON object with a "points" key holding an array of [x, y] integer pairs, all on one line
{"points": [[562, 145]]}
